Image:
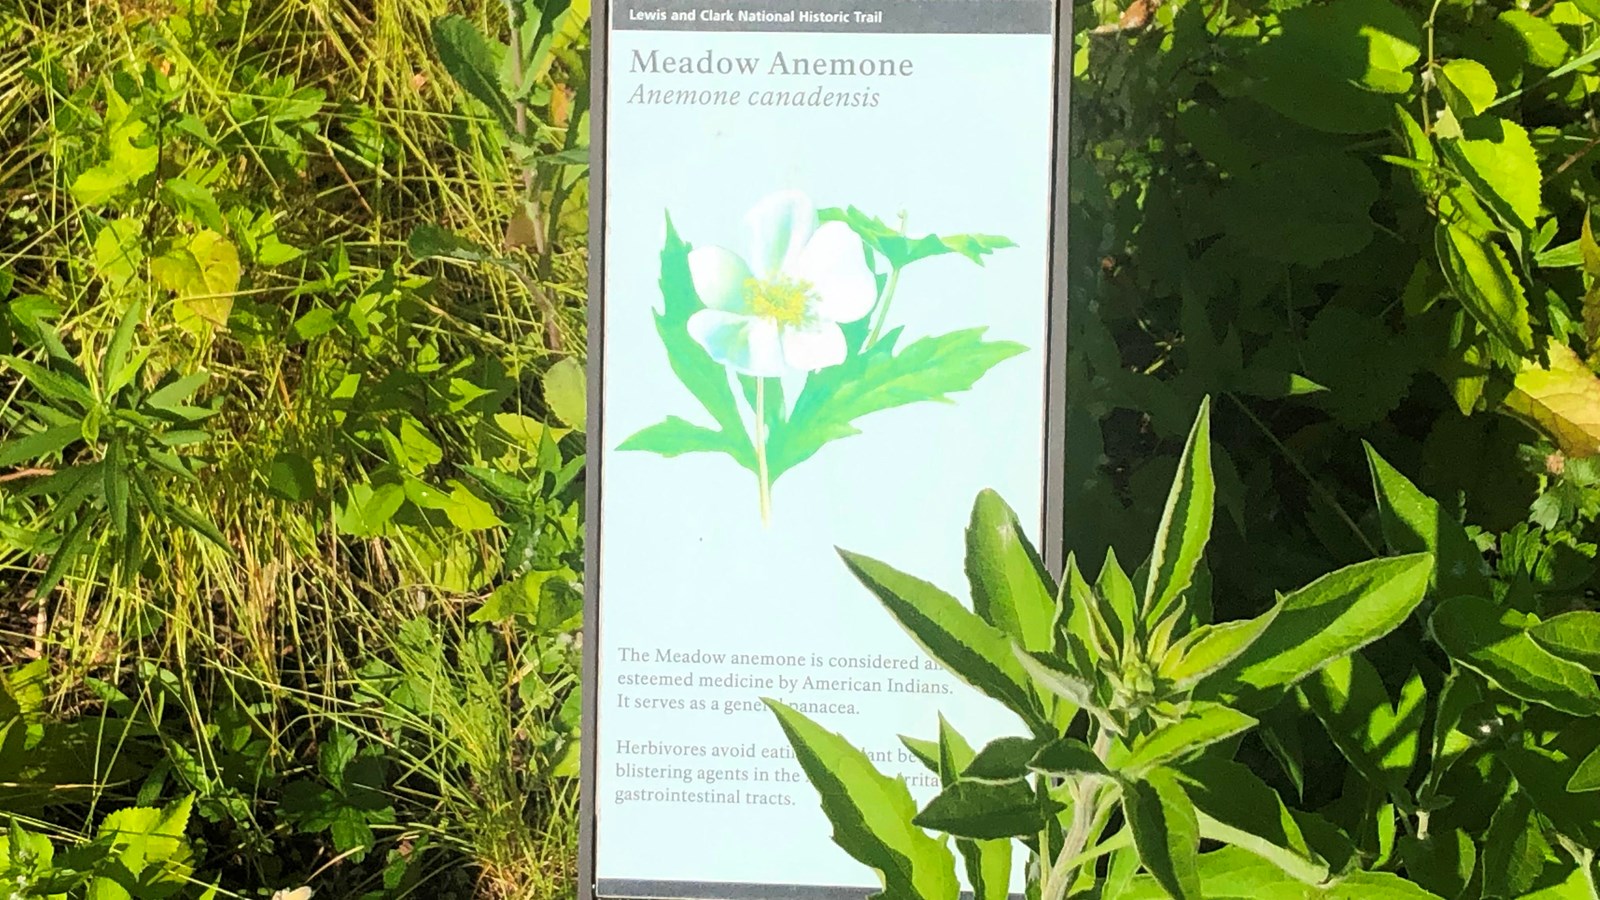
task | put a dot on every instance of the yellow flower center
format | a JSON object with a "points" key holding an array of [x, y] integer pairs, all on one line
{"points": [[783, 299]]}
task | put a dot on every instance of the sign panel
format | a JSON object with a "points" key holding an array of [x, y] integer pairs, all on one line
{"points": [[821, 318]]}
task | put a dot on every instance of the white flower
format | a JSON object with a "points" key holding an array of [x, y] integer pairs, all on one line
{"points": [[780, 311]]}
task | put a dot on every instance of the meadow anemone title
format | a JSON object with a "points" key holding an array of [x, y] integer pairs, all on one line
{"points": [[654, 62]]}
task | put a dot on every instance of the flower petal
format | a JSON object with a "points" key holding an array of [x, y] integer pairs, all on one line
{"points": [[719, 276], [813, 346], [835, 264], [780, 225], [745, 344]]}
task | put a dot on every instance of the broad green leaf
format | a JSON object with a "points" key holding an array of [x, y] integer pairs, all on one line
{"points": [[1442, 862], [99, 185], [197, 199], [1203, 724], [1587, 777], [1052, 674], [1494, 642], [1185, 523], [1067, 756], [566, 392], [871, 813], [1166, 832], [1516, 855], [1119, 602], [1413, 522], [203, 274], [965, 644], [118, 251], [1236, 807], [1563, 400], [39, 444], [929, 369], [952, 753], [1543, 774], [1010, 588], [1002, 759], [1337, 614], [988, 810], [1573, 636], [149, 845], [1227, 874], [366, 510], [467, 511], [429, 241], [1379, 738], [988, 863], [470, 60], [1347, 54], [1496, 157], [1210, 647], [1376, 886], [1481, 278], [1546, 47], [291, 477], [529, 433], [1467, 86]]}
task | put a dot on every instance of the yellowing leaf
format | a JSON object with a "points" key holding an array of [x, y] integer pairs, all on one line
{"points": [[203, 275], [117, 254], [528, 432], [1563, 401]]}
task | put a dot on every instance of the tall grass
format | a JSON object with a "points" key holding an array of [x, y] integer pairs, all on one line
{"points": [[243, 663]]}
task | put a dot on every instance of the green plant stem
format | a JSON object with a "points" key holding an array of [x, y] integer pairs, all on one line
{"points": [[883, 307], [888, 296], [1064, 871], [761, 452]]}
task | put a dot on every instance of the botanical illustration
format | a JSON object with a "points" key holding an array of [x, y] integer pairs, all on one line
{"points": [[806, 304]]}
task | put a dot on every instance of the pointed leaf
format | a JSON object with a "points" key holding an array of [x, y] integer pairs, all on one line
{"points": [[871, 813], [39, 444], [1495, 156], [1235, 806], [1010, 588], [1495, 643], [1067, 756], [968, 646], [1573, 636], [1203, 725], [1210, 647], [1481, 278], [1587, 777], [1337, 614], [1379, 738], [1166, 832], [1185, 522], [468, 58], [1413, 522], [988, 810]]}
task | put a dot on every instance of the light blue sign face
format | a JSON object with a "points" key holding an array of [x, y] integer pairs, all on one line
{"points": [[826, 271]]}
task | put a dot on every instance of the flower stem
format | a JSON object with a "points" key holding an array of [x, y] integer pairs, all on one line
{"points": [[761, 452], [887, 298]]}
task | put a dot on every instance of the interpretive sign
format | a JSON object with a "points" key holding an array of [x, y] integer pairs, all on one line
{"points": [[824, 260]]}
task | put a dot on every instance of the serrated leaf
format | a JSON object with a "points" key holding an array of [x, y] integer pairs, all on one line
{"points": [[1185, 522], [1468, 87], [1348, 54], [468, 57], [1561, 400], [930, 369], [1496, 157], [965, 644], [566, 392], [1337, 614], [1516, 854], [871, 813], [1010, 588], [1413, 522], [1546, 48], [1166, 832], [1493, 642], [1481, 277]]}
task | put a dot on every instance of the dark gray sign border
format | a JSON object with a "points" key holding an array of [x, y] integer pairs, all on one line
{"points": [[1054, 460]]}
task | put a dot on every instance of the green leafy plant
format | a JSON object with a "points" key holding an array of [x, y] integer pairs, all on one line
{"points": [[807, 300], [1135, 702]]}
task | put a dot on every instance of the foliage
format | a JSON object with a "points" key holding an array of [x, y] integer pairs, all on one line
{"points": [[289, 525], [1135, 703]]}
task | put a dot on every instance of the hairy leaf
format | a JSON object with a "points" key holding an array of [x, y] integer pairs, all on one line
{"points": [[1495, 643], [1010, 588]]}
